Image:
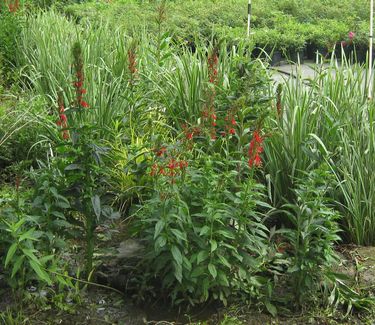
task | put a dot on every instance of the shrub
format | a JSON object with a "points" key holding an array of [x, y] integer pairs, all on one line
{"points": [[11, 27]]}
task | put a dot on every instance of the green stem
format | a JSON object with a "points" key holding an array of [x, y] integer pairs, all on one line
{"points": [[90, 226]]}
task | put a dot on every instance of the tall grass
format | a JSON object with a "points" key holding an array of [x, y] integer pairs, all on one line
{"points": [[328, 118]]}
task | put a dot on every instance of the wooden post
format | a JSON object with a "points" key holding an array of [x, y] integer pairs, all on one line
{"points": [[248, 17]]}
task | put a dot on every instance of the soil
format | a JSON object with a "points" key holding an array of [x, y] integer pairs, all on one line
{"points": [[103, 306]]}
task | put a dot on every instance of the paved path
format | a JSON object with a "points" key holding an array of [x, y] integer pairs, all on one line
{"points": [[285, 71]]}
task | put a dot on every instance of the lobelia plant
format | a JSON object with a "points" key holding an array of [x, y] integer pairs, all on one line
{"points": [[313, 234], [202, 228], [79, 160]]}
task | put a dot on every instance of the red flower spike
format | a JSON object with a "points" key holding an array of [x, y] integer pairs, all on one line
{"points": [[255, 149], [63, 118], [258, 161]]}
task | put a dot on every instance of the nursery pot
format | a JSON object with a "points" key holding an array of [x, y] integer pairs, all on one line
{"points": [[276, 58], [296, 56], [311, 51]]}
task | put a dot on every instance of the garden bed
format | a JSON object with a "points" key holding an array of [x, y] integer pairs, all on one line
{"points": [[174, 172]]}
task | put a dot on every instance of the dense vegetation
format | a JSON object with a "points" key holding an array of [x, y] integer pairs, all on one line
{"points": [[287, 26], [156, 123]]}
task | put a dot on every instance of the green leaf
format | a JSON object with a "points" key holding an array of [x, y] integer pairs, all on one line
{"points": [[40, 272], [17, 265], [28, 235], [30, 253], [212, 270], [204, 230], [271, 308], [178, 234], [178, 272], [95, 200], [242, 273], [10, 253], [177, 255], [202, 255], [197, 271], [158, 228], [213, 245], [223, 279], [73, 167], [160, 243], [224, 261]]}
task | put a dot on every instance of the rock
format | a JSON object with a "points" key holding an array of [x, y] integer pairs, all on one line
{"points": [[130, 248]]}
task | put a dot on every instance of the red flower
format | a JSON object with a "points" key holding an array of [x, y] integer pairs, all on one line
{"points": [[257, 161], [183, 164], [161, 151], [154, 169], [232, 131], [65, 134], [255, 149], [172, 164], [84, 104], [233, 121], [63, 118], [205, 114]]}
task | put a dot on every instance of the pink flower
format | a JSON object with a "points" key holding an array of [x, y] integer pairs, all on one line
{"points": [[351, 35]]}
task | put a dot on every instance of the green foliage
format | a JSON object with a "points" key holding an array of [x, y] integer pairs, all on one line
{"points": [[203, 234], [24, 245], [284, 25], [312, 236], [164, 120], [22, 124], [356, 181], [11, 27]]}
